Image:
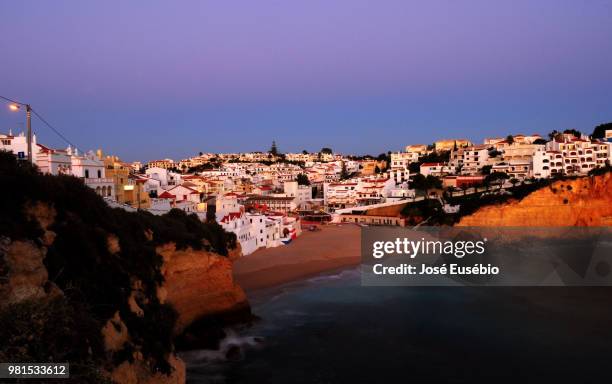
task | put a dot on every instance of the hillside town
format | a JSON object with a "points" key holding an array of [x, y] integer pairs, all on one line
{"points": [[268, 198]]}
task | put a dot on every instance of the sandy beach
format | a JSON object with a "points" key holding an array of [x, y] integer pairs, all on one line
{"points": [[333, 247]]}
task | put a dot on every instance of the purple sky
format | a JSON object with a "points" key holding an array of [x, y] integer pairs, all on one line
{"points": [[155, 79]]}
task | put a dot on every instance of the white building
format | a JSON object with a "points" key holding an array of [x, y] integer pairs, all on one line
{"points": [[401, 160], [90, 168], [436, 169], [580, 155], [302, 194], [399, 175], [164, 176], [400, 192], [53, 161], [18, 145], [547, 164], [239, 224], [469, 159]]}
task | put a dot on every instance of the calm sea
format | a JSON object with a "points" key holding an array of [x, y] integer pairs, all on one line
{"points": [[330, 329]]}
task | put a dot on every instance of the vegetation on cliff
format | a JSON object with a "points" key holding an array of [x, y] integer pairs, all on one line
{"points": [[96, 279], [430, 211]]}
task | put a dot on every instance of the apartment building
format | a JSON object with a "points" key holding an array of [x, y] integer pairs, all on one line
{"points": [[119, 172], [338, 195], [436, 169], [282, 204], [165, 164], [469, 159], [399, 175], [401, 160], [518, 169], [580, 155], [547, 164], [521, 151], [447, 145]]}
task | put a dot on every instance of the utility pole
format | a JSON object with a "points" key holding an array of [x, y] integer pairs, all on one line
{"points": [[138, 194], [29, 138]]}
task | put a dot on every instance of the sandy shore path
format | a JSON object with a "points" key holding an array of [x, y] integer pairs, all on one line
{"points": [[313, 252]]}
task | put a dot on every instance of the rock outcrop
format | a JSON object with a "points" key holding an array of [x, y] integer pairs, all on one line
{"points": [[138, 372], [578, 202], [199, 284]]}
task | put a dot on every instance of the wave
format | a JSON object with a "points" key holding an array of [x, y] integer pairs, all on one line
{"points": [[232, 347], [345, 273]]}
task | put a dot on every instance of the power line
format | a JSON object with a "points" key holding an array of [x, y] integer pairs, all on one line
{"points": [[11, 100], [54, 130], [57, 132]]}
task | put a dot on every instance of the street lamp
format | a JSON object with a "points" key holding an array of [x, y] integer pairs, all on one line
{"points": [[15, 106]]}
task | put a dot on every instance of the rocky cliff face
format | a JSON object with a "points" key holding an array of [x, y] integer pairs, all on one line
{"points": [[199, 284], [580, 202]]}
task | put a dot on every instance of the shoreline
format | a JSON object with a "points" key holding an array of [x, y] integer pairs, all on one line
{"points": [[333, 247]]}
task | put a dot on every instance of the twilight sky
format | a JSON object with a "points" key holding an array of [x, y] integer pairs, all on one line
{"points": [[155, 79]]}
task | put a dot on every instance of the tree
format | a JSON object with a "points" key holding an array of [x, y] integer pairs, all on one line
{"points": [[302, 179], [514, 181], [418, 182], [494, 153], [382, 157], [326, 150], [496, 177], [553, 135], [304, 152], [487, 184], [424, 184], [376, 169], [433, 182], [344, 173], [510, 139], [273, 150], [540, 141], [486, 169], [600, 131]]}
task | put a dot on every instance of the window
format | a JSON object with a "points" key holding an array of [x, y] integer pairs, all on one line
{"points": [[99, 174], [87, 173]]}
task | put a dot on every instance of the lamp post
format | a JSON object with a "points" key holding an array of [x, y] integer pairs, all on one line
{"points": [[15, 107]]}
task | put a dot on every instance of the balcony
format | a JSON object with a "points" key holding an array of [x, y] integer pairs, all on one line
{"points": [[97, 181]]}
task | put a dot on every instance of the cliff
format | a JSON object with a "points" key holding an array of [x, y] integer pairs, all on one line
{"points": [[199, 284], [583, 201], [104, 289]]}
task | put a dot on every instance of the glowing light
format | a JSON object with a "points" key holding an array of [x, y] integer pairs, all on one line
{"points": [[13, 107]]}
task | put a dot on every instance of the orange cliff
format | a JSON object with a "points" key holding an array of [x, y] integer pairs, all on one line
{"points": [[200, 284], [584, 201]]}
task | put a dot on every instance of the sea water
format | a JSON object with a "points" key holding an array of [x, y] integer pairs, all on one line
{"points": [[330, 329]]}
